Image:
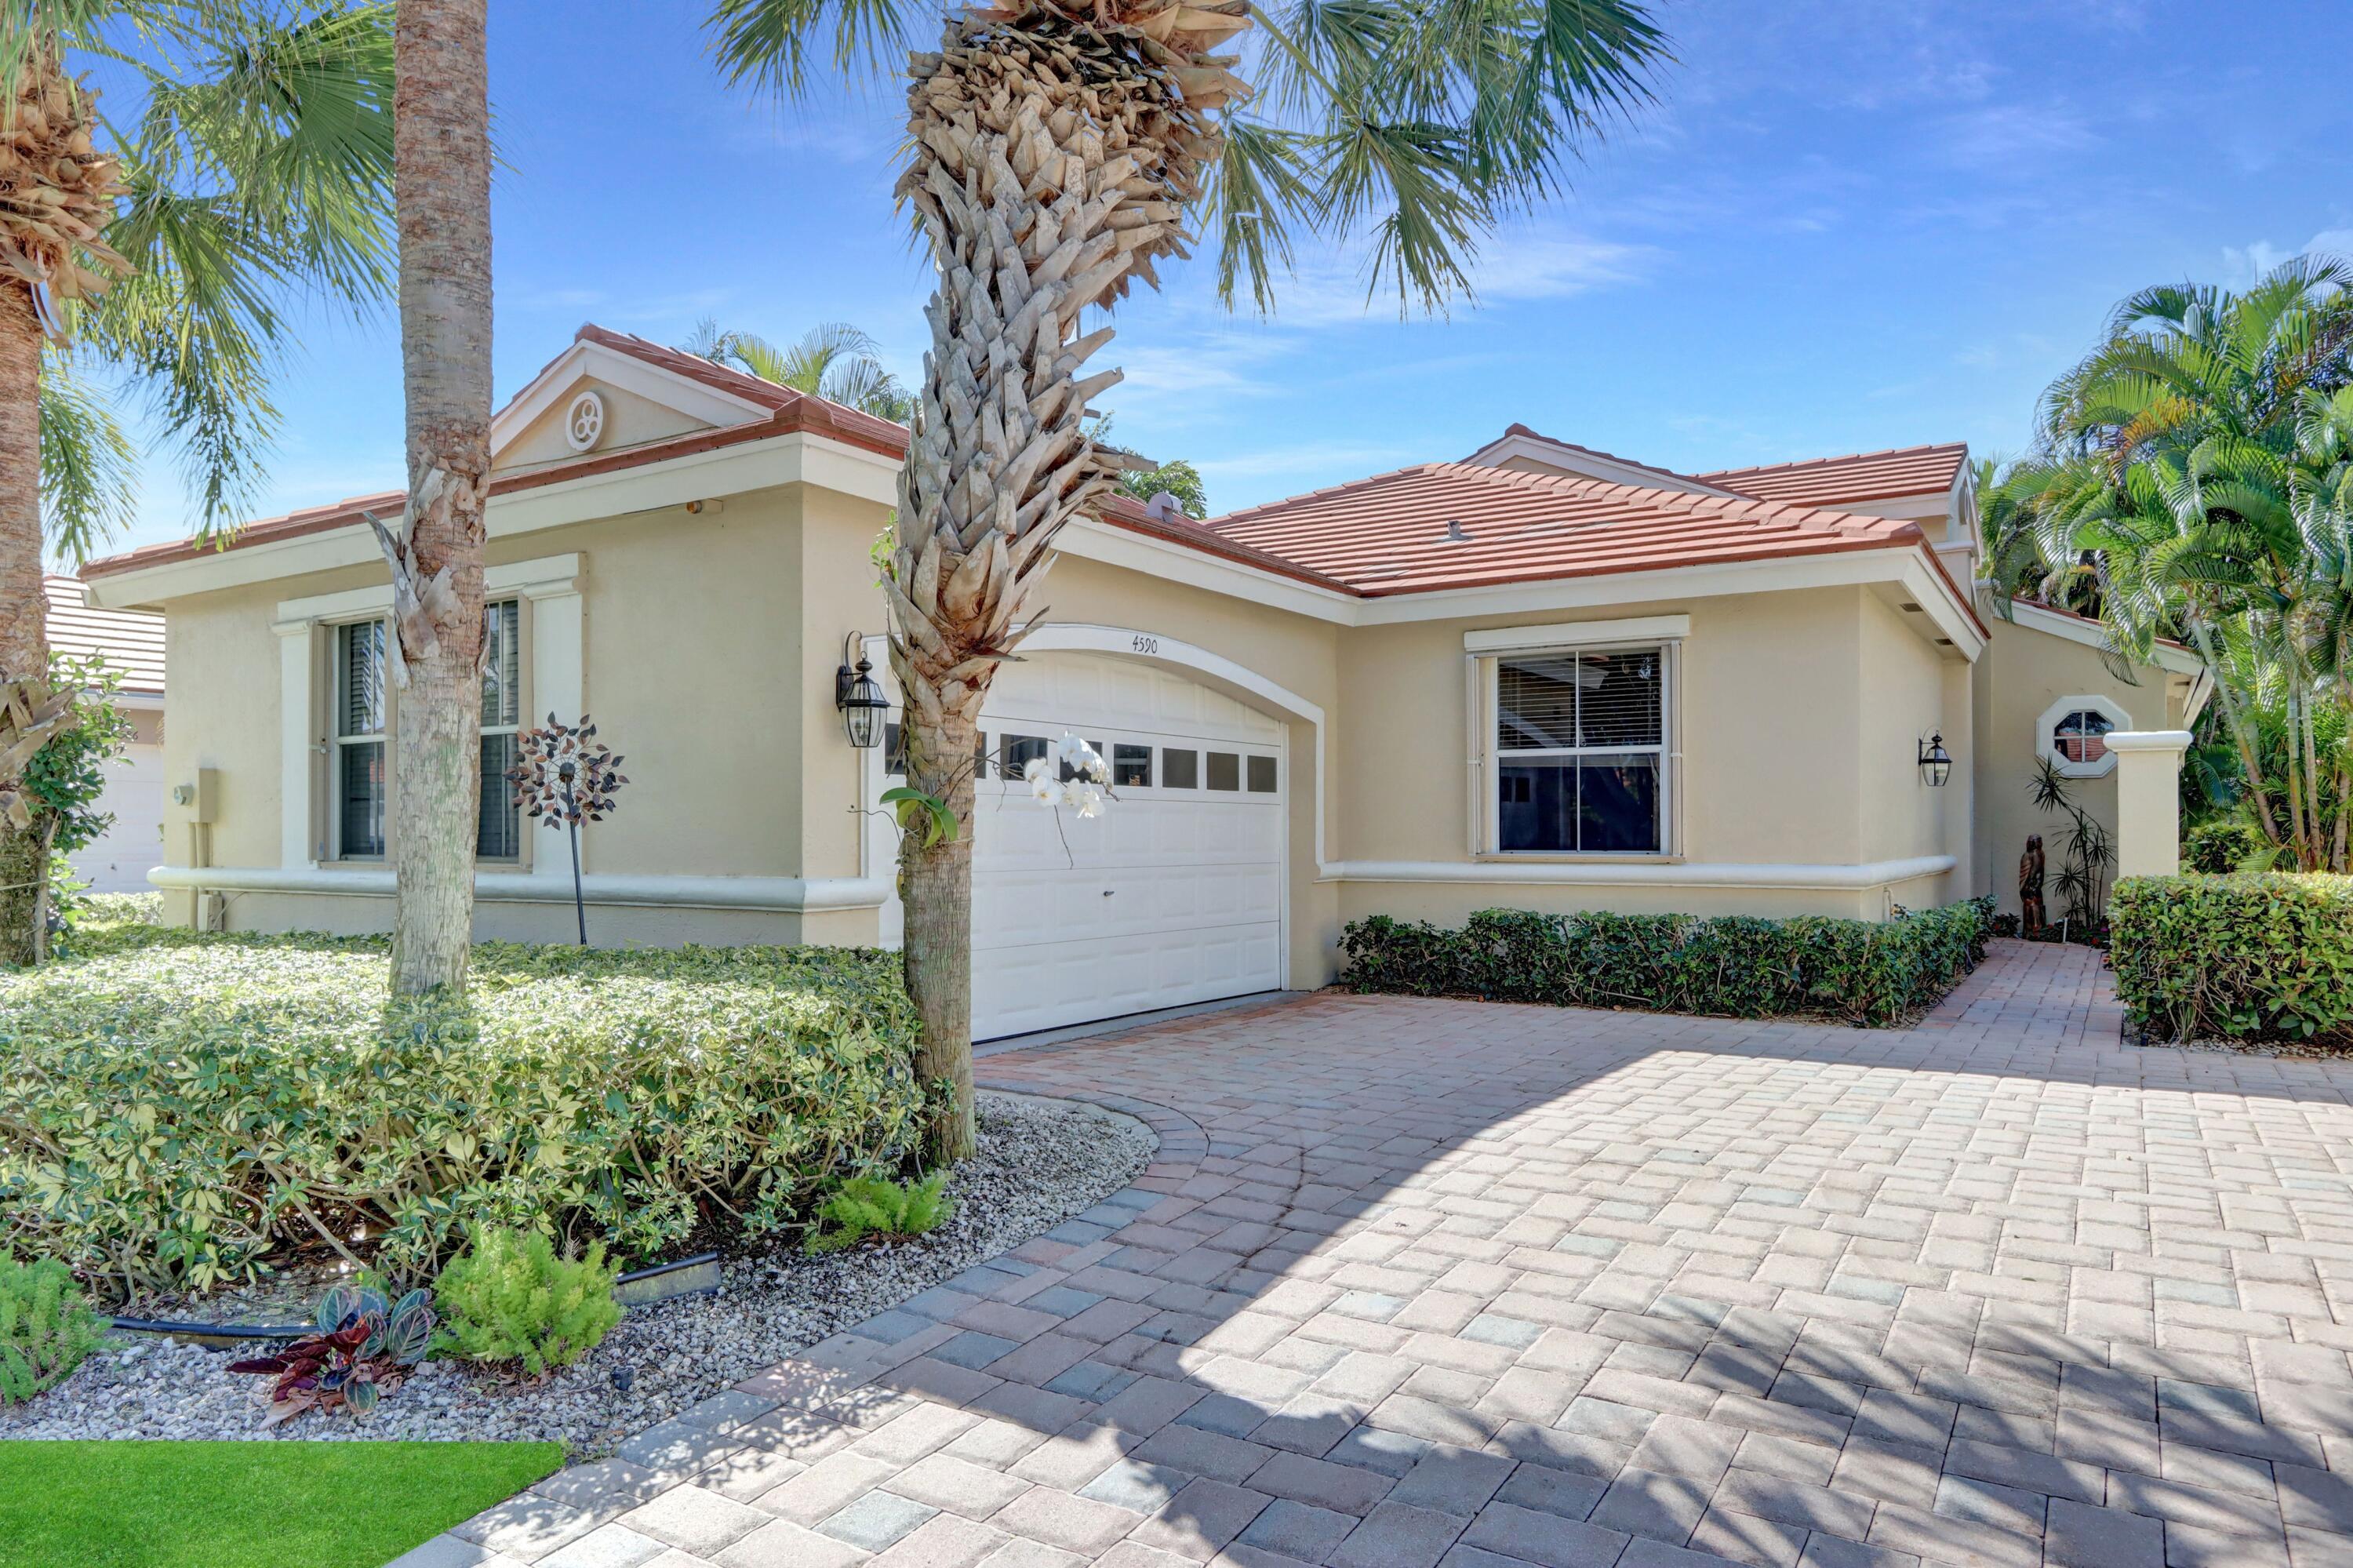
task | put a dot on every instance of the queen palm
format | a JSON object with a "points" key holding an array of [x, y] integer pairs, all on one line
{"points": [[256, 163], [832, 360], [1058, 154]]}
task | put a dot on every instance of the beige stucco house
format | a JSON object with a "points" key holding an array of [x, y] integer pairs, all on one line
{"points": [[1540, 676]]}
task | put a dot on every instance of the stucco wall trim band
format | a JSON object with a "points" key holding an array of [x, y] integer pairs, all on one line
{"points": [[1646, 874], [789, 895]]}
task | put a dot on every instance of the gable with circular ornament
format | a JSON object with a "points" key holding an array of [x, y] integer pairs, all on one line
{"points": [[584, 421]]}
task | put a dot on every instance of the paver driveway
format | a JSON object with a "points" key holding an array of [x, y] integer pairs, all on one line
{"points": [[1416, 1282]]}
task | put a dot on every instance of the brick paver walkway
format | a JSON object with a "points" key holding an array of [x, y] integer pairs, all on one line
{"points": [[1433, 1282]]}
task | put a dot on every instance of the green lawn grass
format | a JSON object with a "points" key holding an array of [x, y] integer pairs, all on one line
{"points": [[247, 1505]]}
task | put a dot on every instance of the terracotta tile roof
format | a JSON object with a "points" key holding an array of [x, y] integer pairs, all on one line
{"points": [[1520, 429], [1447, 526], [1843, 481], [131, 640], [789, 411]]}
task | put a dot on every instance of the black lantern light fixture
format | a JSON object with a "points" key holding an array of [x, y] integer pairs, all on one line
{"points": [[1936, 762], [856, 694]]}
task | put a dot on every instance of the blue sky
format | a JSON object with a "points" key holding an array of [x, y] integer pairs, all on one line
{"points": [[1845, 225]]}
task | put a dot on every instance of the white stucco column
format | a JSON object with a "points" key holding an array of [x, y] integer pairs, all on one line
{"points": [[2148, 800]]}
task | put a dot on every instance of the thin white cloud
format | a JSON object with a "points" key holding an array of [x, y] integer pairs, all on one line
{"points": [[1352, 461]]}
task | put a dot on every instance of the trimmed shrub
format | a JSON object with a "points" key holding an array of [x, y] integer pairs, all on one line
{"points": [[510, 1297], [873, 1206], [1875, 973], [173, 1106], [46, 1328], [2256, 956]]}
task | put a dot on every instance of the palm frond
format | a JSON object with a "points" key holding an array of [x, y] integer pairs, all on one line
{"points": [[89, 468], [765, 44]]}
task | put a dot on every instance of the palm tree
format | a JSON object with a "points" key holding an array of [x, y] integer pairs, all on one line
{"points": [[1057, 153], [2189, 485], [159, 248], [442, 153], [832, 360]]}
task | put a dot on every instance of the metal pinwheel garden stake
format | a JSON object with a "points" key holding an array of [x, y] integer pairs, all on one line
{"points": [[565, 774]]}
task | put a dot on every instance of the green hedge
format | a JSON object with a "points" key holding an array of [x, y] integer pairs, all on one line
{"points": [[175, 1108], [1862, 971], [2257, 955]]}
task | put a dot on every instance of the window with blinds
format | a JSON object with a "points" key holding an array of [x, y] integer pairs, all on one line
{"points": [[1580, 744], [363, 736], [360, 715], [499, 830]]}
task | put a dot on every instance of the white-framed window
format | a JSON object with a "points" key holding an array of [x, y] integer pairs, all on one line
{"points": [[362, 731], [500, 836], [1580, 750], [2072, 734], [364, 704]]}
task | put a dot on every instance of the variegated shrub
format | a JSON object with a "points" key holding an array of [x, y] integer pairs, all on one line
{"points": [[175, 1109]]}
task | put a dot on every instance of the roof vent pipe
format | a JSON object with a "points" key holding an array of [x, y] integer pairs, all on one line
{"points": [[1455, 531], [1163, 508]]}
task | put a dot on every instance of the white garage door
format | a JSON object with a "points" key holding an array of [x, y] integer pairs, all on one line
{"points": [[118, 861], [1175, 894]]}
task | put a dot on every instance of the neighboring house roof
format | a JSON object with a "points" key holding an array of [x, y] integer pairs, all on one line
{"points": [[1888, 475], [131, 640], [1451, 525]]}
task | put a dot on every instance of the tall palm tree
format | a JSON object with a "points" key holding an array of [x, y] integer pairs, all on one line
{"points": [[832, 360], [442, 152], [1057, 153], [161, 248]]}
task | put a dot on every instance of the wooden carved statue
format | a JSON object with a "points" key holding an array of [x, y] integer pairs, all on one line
{"points": [[2029, 884]]}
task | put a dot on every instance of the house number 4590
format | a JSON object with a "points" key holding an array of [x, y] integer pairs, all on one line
{"points": [[1146, 644]]}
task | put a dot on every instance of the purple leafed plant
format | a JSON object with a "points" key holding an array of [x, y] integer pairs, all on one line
{"points": [[363, 1349]]}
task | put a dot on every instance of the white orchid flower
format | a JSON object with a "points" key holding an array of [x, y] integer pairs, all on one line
{"points": [[1034, 769], [1083, 760], [1046, 792], [1085, 799]]}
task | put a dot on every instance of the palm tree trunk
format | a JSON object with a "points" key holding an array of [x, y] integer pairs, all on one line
{"points": [[2308, 738], [24, 609], [935, 888], [1050, 164], [441, 152], [2250, 755]]}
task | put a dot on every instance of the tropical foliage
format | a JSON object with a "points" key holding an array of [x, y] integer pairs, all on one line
{"points": [[832, 360], [178, 1110], [511, 1299], [2248, 956], [1142, 479], [45, 1327], [2195, 481], [1871, 972], [2086, 853], [155, 254], [364, 1349], [1057, 155]]}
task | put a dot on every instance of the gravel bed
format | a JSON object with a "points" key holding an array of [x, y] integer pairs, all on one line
{"points": [[1040, 1161]]}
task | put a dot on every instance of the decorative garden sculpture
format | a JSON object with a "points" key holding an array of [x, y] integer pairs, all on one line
{"points": [[565, 774]]}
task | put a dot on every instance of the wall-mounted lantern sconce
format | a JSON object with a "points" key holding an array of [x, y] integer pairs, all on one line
{"points": [[855, 694], [1936, 762]]}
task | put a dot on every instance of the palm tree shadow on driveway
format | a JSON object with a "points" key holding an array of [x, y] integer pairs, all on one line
{"points": [[1552, 1284]]}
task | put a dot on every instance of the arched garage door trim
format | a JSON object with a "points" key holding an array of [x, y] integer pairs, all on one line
{"points": [[1213, 670]]}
